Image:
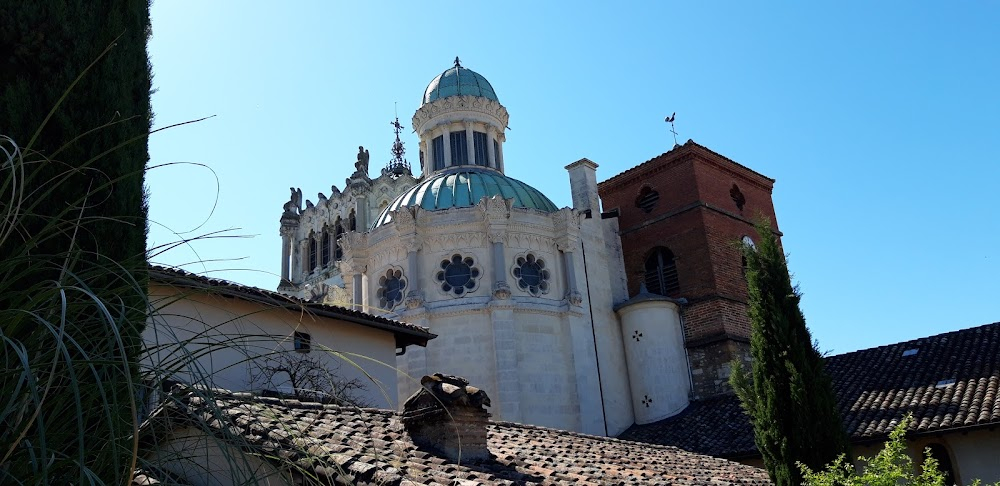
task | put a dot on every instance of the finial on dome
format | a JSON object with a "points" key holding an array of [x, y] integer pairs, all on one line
{"points": [[458, 63], [398, 165]]}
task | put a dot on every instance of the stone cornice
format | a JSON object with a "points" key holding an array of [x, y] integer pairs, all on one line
{"points": [[457, 108]]}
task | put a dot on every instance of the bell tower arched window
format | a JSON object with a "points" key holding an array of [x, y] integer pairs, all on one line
{"points": [[352, 222], [661, 272]]}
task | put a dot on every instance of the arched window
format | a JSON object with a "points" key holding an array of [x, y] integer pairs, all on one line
{"points": [[940, 452], [352, 222], [746, 242], [338, 231], [324, 245], [313, 251], [661, 272]]}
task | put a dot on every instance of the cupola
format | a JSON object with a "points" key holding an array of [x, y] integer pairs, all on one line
{"points": [[460, 122], [458, 81]]}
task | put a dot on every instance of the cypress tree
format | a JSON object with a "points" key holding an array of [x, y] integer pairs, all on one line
{"points": [[75, 101], [786, 394]]}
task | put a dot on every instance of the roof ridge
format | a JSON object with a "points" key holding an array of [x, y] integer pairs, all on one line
{"points": [[264, 296], [916, 340]]}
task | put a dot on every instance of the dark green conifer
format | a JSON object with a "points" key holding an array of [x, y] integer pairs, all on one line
{"points": [[75, 98], [786, 393]]}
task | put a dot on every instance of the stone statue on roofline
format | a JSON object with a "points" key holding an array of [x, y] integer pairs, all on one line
{"points": [[362, 164], [294, 205]]}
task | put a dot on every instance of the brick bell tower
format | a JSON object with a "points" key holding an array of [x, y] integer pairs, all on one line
{"points": [[682, 216]]}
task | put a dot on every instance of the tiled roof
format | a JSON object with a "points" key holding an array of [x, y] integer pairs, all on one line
{"points": [[342, 445], [406, 334], [951, 381], [688, 146]]}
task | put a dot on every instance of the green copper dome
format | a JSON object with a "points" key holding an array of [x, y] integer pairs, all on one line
{"points": [[459, 81], [463, 187]]}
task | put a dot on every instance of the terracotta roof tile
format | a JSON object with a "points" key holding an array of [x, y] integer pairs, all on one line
{"points": [[370, 446], [688, 147], [952, 380]]}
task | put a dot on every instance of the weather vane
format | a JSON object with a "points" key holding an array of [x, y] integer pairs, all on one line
{"points": [[670, 120]]}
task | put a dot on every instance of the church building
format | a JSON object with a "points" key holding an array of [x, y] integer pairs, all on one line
{"points": [[618, 316], [539, 305]]}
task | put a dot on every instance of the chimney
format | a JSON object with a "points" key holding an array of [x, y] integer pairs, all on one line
{"points": [[446, 417], [583, 185]]}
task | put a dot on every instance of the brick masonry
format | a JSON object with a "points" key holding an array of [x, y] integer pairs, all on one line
{"points": [[706, 204]]}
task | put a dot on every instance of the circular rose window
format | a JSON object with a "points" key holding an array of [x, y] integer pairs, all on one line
{"points": [[531, 274], [458, 275]]}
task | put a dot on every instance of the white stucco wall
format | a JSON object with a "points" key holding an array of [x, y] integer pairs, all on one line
{"points": [[224, 336], [975, 454], [657, 363]]}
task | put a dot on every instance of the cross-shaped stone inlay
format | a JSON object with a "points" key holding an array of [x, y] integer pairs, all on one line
{"points": [[636, 335], [646, 400]]}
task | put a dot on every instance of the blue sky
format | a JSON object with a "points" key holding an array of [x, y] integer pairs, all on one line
{"points": [[877, 119]]}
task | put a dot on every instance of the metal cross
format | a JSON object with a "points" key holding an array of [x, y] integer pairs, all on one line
{"points": [[636, 335], [646, 400]]}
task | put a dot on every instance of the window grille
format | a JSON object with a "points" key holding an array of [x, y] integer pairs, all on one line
{"points": [[438, 152], [459, 149], [661, 272], [479, 144], [325, 247]]}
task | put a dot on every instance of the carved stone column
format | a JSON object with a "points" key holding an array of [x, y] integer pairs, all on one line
{"points": [[470, 143], [496, 211], [501, 139], [304, 257], [405, 223], [567, 225], [287, 231], [354, 264], [446, 136]]}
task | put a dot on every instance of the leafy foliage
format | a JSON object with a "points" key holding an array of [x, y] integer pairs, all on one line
{"points": [[890, 467], [786, 393]]}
